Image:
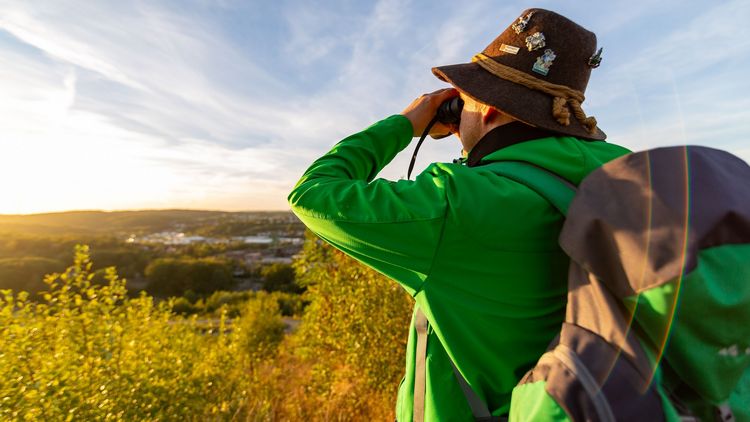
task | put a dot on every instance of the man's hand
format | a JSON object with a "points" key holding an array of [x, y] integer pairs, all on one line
{"points": [[424, 108]]}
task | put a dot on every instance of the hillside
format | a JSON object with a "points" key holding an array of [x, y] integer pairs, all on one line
{"points": [[126, 222]]}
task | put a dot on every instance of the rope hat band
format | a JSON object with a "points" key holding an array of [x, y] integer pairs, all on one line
{"points": [[564, 98]]}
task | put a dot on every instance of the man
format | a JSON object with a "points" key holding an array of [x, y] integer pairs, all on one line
{"points": [[477, 251]]}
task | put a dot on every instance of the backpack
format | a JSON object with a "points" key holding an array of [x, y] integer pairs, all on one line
{"points": [[657, 325]]}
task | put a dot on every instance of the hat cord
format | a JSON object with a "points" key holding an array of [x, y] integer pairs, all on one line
{"points": [[564, 98]]}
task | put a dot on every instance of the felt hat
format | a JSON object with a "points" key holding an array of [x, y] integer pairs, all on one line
{"points": [[536, 71]]}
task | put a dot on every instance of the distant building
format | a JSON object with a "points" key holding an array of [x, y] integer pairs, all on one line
{"points": [[277, 260]]}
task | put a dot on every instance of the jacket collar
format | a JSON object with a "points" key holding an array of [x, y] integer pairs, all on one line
{"points": [[504, 136]]}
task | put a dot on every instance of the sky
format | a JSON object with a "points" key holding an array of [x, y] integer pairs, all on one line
{"points": [[221, 105]]}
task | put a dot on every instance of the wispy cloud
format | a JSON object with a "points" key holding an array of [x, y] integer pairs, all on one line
{"points": [[149, 83], [682, 85], [165, 69], [223, 104]]}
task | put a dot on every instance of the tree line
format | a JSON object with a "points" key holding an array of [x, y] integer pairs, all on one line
{"points": [[196, 268]]}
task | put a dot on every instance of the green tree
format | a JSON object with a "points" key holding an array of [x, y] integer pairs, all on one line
{"points": [[127, 260], [26, 273], [175, 276], [279, 277]]}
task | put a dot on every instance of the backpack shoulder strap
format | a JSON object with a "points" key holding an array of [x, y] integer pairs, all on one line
{"points": [[478, 407], [558, 191]]}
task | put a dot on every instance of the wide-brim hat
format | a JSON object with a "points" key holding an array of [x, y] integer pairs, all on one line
{"points": [[536, 71]]}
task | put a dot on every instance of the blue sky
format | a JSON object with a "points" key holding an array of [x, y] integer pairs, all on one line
{"points": [[222, 104]]}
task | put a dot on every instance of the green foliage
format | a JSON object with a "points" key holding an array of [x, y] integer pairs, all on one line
{"points": [[233, 228], [18, 246], [27, 258], [203, 250], [230, 302], [233, 303], [279, 277], [261, 326], [355, 326], [345, 360], [290, 304], [183, 306], [174, 276], [255, 224], [127, 260], [88, 352], [26, 273]]}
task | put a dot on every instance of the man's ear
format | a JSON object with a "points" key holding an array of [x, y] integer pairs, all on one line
{"points": [[490, 113]]}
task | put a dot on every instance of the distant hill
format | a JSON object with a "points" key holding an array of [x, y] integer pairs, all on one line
{"points": [[118, 222]]}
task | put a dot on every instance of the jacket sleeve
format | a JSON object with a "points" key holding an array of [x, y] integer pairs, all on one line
{"points": [[393, 227]]}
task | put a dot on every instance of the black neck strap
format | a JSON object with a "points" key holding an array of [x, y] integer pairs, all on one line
{"points": [[504, 136]]}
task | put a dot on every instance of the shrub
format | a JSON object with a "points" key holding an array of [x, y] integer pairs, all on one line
{"points": [[345, 360], [26, 273], [279, 277], [290, 304], [174, 276], [231, 301], [183, 306], [261, 328], [88, 352], [356, 318]]}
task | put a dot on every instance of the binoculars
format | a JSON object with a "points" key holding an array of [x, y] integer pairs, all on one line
{"points": [[449, 111]]}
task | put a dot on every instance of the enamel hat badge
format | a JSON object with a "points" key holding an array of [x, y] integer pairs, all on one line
{"points": [[520, 26], [535, 41], [596, 59], [544, 62]]}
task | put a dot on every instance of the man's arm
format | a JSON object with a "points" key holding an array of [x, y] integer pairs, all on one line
{"points": [[393, 227]]}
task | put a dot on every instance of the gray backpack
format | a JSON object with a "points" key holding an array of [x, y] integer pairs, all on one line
{"points": [[658, 318]]}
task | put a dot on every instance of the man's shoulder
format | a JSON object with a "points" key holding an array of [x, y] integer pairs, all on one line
{"points": [[474, 186]]}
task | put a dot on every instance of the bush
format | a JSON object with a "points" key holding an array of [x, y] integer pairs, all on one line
{"points": [[234, 303], [279, 277], [128, 261], [26, 273], [183, 306], [356, 318], [345, 360], [290, 304], [174, 276], [261, 327], [87, 352]]}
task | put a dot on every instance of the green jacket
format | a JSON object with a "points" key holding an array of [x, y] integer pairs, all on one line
{"points": [[477, 251]]}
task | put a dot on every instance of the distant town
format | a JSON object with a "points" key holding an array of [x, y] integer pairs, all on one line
{"points": [[133, 241]]}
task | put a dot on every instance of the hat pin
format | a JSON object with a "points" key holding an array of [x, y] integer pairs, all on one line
{"points": [[596, 59], [520, 26], [535, 41]]}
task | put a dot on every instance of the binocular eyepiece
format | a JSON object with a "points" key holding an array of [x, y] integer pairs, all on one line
{"points": [[449, 111]]}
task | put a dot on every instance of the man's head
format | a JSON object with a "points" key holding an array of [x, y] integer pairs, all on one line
{"points": [[536, 71], [476, 120]]}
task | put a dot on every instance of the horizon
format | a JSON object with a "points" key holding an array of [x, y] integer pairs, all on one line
{"points": [[221, 105], [141, 210]]}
